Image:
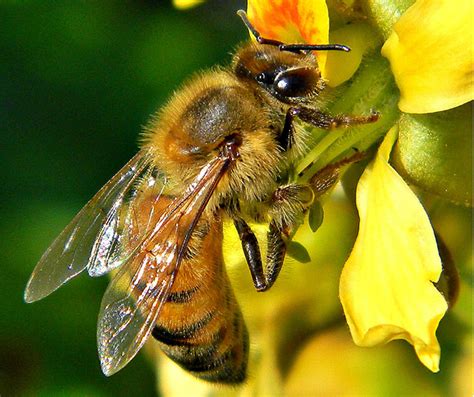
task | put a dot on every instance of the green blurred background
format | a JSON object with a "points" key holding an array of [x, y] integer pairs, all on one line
{"points": [[78, 80]]}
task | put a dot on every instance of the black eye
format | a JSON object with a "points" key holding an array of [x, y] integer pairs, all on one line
{"points": [[296, 82]]}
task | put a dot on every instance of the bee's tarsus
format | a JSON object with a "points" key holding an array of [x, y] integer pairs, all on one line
{"points": [[328, 176]]}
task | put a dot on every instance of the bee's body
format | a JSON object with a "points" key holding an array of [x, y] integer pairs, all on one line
{"points": [[210, 108], [205, 332], [222, 148], [183, 137], [201, 326]]}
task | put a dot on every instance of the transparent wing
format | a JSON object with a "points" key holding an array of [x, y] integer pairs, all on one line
{"points": [[117, 238], [92, 238], [133, 299]]}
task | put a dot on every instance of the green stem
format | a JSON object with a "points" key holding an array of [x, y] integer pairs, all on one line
{"points": [[373, 87]]}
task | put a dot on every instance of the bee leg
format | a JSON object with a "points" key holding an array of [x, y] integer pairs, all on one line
{"points": [[288, 205], [329, 122], [285, 139], [328, 176], [252, 253], [276, 250]]}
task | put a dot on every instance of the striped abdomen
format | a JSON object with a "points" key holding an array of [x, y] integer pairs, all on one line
{"points": [[201, 326]]}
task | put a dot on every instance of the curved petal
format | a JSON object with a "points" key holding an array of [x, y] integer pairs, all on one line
{"points": [[431, 54], [292, 21], [386, 286], [185, 4]]}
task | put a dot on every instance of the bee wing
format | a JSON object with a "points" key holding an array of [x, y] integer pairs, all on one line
{"points": [[117, 238], [134, 298], [91, 236]]}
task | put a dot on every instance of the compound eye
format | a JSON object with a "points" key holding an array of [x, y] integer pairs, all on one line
{"points": [[296, 82]]}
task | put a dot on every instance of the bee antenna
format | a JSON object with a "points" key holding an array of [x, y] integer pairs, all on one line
{"points": [[289, 47], [314, 47]]}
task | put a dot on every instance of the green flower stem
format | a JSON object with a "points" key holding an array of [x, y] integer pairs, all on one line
{"points": [[384, 13], [372, 88]]}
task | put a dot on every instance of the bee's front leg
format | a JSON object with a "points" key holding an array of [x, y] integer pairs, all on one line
{"points": [[318, 119], [327, 121]]}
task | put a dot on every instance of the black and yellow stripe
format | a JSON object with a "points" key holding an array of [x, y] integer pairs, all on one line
{"points": [[201, 326]]}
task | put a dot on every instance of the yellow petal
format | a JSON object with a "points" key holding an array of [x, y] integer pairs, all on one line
{"points": [[185, 4], [431, 54], [386, 286], [292, 21], [340, 66]]}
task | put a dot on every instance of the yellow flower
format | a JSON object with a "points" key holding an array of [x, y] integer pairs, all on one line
{"points": [[431, 51], [386, 286]]}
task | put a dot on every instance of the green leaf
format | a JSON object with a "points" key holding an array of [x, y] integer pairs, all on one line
{"points": [[434, 153], [315, 216], [297, 251]]}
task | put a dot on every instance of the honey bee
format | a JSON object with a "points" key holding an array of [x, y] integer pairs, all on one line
{"points": [[221, 149]]}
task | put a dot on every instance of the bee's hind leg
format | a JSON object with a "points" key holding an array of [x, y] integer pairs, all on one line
{"points": [[288, 204], [252, 253], [276, 249]]}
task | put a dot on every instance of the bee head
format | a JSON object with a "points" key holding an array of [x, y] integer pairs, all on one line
{"points": [[288, 76], [289, 72]]}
